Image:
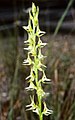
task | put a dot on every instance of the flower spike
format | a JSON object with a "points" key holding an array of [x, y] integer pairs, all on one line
{"points": [[34, 60]]}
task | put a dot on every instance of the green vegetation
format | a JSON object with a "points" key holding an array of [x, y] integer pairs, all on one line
{"points": [[63, 17], [34, 59]]}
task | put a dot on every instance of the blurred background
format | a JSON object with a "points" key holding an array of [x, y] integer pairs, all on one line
{"points": [[57, 18]]}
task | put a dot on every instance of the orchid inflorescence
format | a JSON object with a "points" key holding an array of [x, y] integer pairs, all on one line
{"points": [[34, 60]]}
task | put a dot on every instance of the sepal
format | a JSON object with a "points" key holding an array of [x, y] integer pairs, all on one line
{"points": [[44, 78], [31, 76], [33, 106], [28, 61], [46, 111], [39, 33], [31, 86]]}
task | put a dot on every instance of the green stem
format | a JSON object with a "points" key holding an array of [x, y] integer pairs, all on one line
{"points": [[40, 106], [36, 74], [63, 16], [38, 96]]}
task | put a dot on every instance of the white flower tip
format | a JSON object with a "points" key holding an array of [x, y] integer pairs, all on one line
{"points": [[26, 48], [24, 27], [28, 77], [25, 41]]}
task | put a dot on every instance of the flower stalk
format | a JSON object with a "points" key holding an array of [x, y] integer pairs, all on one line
{"points": [[34, 59]]}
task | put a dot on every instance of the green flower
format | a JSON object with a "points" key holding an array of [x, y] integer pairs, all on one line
{"points": [[31, 86], [33, 106], [28, 61], [46, 111]]}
